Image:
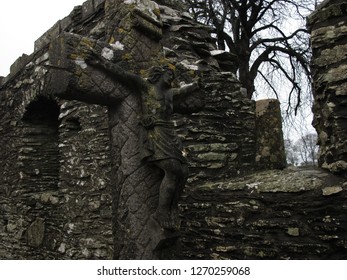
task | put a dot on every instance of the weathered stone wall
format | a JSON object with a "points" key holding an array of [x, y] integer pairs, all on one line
{"points": [[328, 26], [55, 178], [56, 186], [217, 125], [291, 214], [55, 160]]}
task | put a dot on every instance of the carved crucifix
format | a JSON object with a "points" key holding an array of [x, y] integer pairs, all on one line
{"points": [[149, 167], [159, 142]]}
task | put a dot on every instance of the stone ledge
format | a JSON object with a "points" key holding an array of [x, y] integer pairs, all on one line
{"points": [[293, 179], [327, 10]]}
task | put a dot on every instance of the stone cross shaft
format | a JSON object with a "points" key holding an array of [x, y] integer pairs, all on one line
{"points": [[133, 46]]}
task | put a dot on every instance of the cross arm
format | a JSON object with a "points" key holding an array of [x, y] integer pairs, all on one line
{"points": [[116, 72], [72, 78]]}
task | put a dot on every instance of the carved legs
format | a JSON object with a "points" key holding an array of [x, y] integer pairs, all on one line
{"points": [[171, 187]]}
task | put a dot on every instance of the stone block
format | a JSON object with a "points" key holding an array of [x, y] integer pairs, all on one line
{"points": [[65, 23], [46, 38], [19, 64], [36, 233], [327, 10], [270, 143], [87, 8]]}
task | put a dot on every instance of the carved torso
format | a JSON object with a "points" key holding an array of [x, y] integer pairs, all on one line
{"points": [[158, 103], [159, 138]]}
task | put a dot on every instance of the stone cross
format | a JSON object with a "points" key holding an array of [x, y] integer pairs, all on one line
{"points": [[148, 167]]}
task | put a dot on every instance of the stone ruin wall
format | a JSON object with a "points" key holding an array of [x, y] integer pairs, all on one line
{"points": [[270, 153], [60, 205], [328, 26], [55, 189], [289, 214], [55, 186]]}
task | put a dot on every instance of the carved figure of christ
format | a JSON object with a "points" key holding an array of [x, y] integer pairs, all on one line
{"points": [[159, 144]]}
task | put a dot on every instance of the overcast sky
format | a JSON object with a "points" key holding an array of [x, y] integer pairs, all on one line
{"points": [[24, 21]]}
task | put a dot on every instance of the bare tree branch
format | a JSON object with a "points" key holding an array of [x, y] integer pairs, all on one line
{"points": [[269, 83], [253, 30]]}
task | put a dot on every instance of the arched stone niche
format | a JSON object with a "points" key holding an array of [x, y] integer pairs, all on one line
{"points": [[39, 152], [38, 162]]}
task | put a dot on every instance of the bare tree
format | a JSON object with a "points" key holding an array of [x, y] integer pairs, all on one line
{"points": [[291, 153], [266, 47], [307, 149]]}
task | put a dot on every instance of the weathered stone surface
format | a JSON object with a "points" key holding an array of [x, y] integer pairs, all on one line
{"points": [[36, 233], [331, 190], [177, 4], [267, 215], [270, 144], [328, 26]]}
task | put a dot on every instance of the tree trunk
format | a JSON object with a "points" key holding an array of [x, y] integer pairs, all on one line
{"points": [[245, 76]]}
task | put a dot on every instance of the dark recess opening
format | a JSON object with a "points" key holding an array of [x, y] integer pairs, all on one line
{"points": [[40, 151], [39, 165]]}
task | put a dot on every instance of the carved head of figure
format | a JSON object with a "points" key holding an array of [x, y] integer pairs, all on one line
{"points": [[165, 73]]}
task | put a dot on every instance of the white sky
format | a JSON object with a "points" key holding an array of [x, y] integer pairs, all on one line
{"points": [[24, 21]]}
